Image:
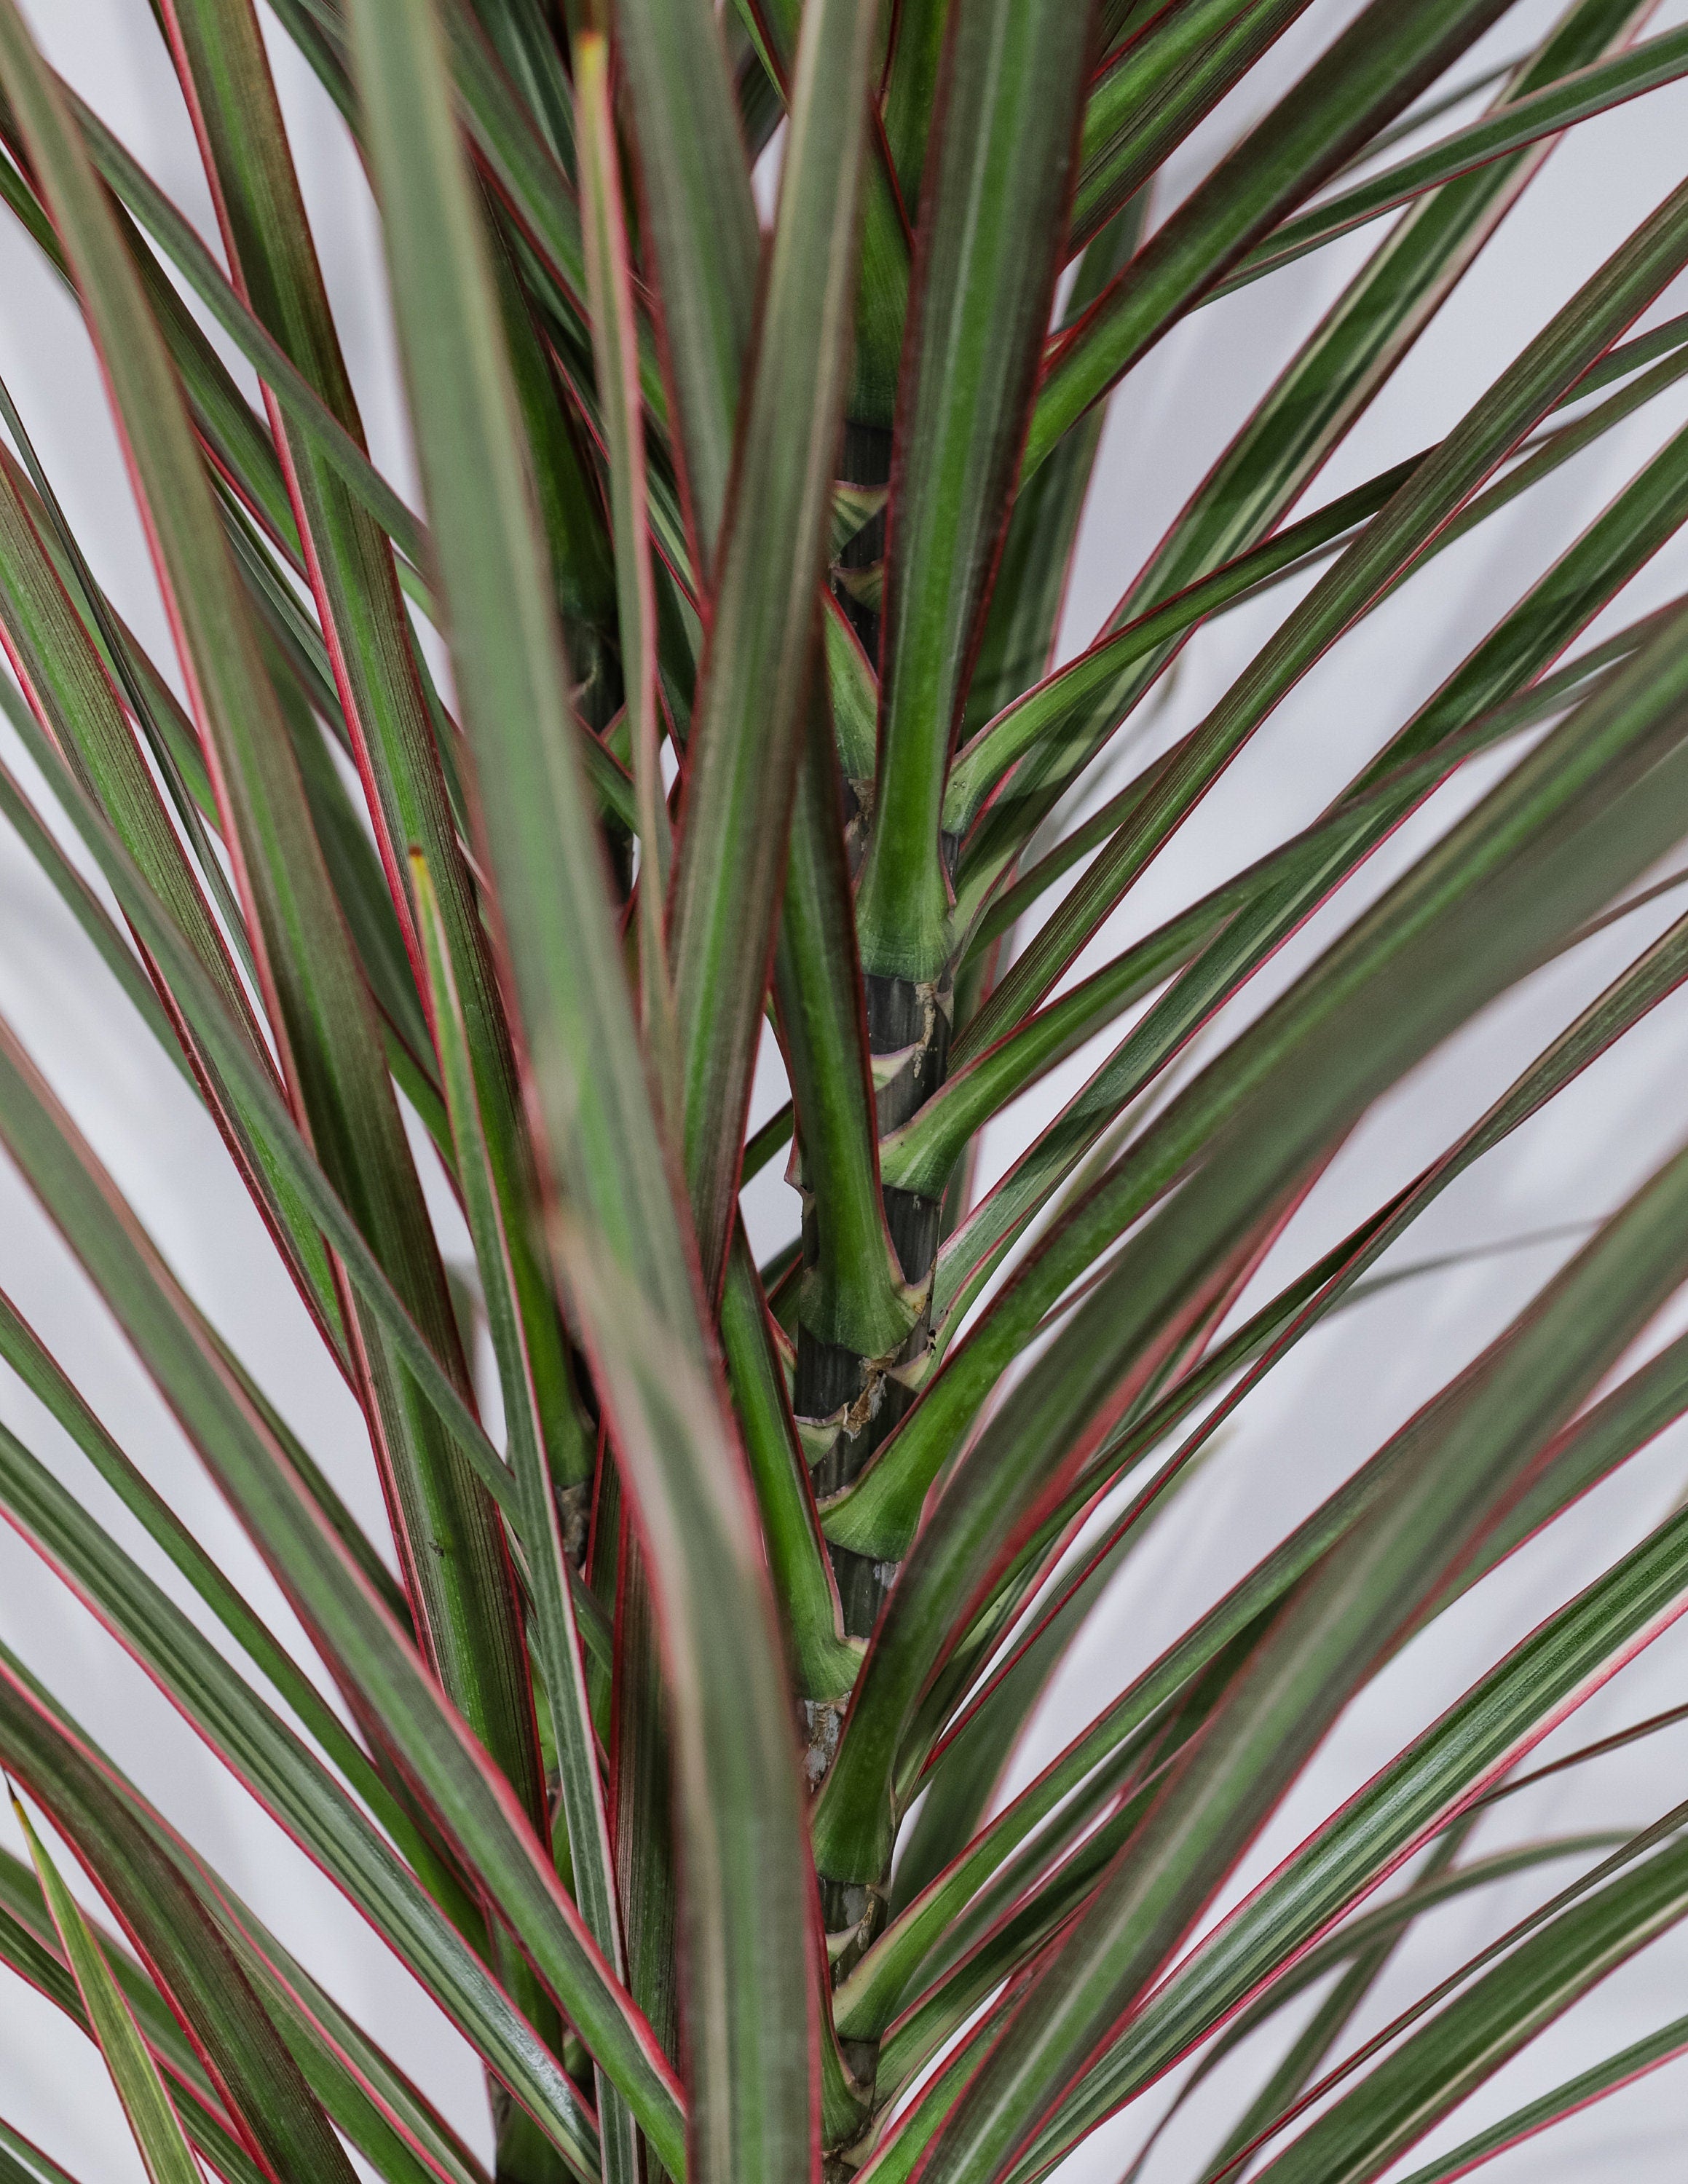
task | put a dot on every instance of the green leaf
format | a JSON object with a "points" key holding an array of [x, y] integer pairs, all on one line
{"points": [[1000, 168], [748, 1932], [305, 1798], [1030, 581], [356, 2084], [879, 1514], [164, 2151], [323, 1018], [1475, 1743], [1364, 1941], [170, 742], [26, 2164], [1521, 121], [1326, 2026], [1313, 403], [610, 281], [1546, 369], [747, 1901], [543, 850], [1066, 706], [1156, 88], [921, 1154], [222, 417], [824, 1662], [855, 694], [1603, 1437], [1470, 2039], [748, 721], [911, 89], [702, 236], [555, 1637], [853, 1293], [282, 1145], [267, 2096], [1472, 1427], [1591, 570], [23, 1352], [1620, 541], [61, 670], [347, 1621], [1544, 835], [1368, 75], [1351, 354], [961, 1777], [881, 300], [221, 52], [1569, 2100]]}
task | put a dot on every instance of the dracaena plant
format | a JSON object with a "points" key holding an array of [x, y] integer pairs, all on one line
{"points": [[662, 1740]]}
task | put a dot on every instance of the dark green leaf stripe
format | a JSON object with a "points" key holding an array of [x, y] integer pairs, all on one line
{"points": [[824, 1662], [854, 1294]]}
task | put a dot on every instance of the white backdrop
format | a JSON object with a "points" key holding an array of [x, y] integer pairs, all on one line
{"points": [[1318, 1414]]}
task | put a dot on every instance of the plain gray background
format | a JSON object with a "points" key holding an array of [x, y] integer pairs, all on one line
{"points": [[1317, 1415]]}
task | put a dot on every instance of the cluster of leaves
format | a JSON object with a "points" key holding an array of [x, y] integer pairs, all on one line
{"points": [[667, 1760]]}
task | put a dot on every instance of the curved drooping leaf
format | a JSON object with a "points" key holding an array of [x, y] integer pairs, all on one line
{"points": [[366, 2097], [269, 2101], [1443, 1771]]}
